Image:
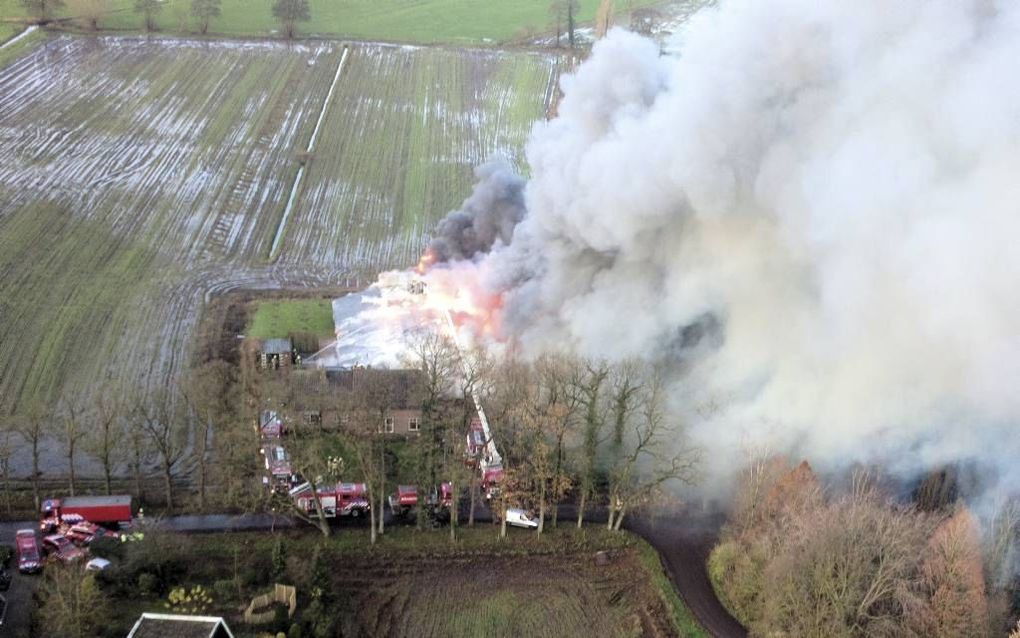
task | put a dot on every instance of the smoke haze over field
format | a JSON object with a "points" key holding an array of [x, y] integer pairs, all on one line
{"points": [[830, 187]]}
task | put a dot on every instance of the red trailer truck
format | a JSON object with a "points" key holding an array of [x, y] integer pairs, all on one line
{"points": [[438, 502], [104, 510], [343, 499]]}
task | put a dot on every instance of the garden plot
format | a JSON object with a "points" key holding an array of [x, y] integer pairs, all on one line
{"points": [[399, 144]]}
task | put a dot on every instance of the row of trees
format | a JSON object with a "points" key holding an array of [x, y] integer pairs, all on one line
{"points": [[165, 429], [89, 13], [567, 427], [799, 562]]}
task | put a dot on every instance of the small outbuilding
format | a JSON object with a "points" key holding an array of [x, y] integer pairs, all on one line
{"points": [[180, 626], [276, 353]]}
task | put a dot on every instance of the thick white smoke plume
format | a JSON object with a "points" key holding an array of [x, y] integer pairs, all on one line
{"points": [[826, 192]]}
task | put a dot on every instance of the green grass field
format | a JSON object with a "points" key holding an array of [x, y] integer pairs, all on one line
{"points": [[132, 188], [471, 22], [8, 31], [281, 317]]}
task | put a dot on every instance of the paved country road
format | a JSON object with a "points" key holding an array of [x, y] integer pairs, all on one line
{"points": [[682, 541]]}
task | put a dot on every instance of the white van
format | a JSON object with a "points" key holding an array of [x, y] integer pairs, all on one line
{"points": [[519, 518]]}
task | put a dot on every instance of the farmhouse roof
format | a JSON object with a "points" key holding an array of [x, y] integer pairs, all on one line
{"points": [[179, 626], [402, 385], [277, 346]]}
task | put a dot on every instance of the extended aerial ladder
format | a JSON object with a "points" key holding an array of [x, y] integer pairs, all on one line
{"points": [[491, 459]]}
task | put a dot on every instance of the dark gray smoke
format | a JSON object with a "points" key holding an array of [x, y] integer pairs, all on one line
{"points": [[486, 217]]}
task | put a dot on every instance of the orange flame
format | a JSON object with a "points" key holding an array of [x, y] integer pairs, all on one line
{"points": [[427, 259]]}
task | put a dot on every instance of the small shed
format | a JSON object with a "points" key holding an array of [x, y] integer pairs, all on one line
{"points": [[276, 353], [180, 626]]}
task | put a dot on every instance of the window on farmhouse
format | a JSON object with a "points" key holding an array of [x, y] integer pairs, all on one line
{"points": [[413, 425], [388, 425]]}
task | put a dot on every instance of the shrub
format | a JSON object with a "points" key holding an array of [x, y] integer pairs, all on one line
{"points": [[194, 601], [225, 590], [280, 618], [162, 555], [321, 585], [279, 559], [6, 551], [148, 584], [294, 631], [298, 572], [109, 548]]}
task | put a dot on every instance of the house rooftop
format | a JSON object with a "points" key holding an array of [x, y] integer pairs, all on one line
{"points": [[372, 326], [277, 346], [179, 626]]}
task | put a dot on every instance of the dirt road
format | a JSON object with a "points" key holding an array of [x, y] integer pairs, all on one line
{"points": [[684, 544]]}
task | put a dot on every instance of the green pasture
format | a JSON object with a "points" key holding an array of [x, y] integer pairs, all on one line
{"points": [[468, 22], [281, 317]]}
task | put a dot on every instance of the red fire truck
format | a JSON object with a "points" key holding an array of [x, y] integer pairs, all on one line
{"points": [[342, 499], [492, 476], [103, 510], [405, 500], [29, 556]]}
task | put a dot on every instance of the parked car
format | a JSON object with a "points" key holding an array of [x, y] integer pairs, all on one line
{"points": [[97, 565], [29, 557], [519, 518], [85, 532], [63, 549]]}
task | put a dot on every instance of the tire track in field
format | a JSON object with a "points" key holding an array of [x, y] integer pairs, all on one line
{"points": [[282, 228]]}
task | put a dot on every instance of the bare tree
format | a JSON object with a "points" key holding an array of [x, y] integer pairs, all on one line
{"points": [[210, 393], [88, 12], [33, 425], [363, 410], [436, 358], [71, 433], [646, 462], [104, 440], [557, 14], [165, 424], [589, 386], [139, 450], [204, 11], [42, 10], [289, 13], [572, 6], [952, 583], [316, 458], [603, 18], [844, 570], [72, 603], [149, 10], [6, 453], [553, 373], [377, 394]]}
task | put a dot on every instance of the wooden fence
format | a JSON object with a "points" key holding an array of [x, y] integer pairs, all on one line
{"points": [[286, 594]]}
